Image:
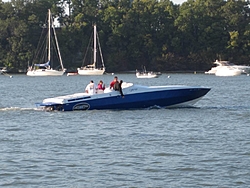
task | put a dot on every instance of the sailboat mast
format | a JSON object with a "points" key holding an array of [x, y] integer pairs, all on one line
{"points": [[57, 46], [49, 35], [94, 46], [100, 50]]}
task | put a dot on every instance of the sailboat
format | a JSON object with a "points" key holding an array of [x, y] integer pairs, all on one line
{"points": [[92, 69], [45, 54]]}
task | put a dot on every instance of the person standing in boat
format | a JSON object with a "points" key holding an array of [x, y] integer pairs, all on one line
{"points": [[113, 82], [91, 88], [118, 87]]}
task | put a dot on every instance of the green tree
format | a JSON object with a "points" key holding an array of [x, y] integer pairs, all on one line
{"points": [[237, 18], [204, 34]]}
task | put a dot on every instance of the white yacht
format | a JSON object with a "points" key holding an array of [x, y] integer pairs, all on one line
{"points": [[224, 68]]}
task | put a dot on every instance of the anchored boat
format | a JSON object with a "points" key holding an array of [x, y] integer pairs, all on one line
{"points": [[92, 68], [146, 74], [49, 44], [225, 68]]}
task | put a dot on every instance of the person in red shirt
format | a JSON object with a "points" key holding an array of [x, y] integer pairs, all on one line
{"points": [[113, 82], [116, 85]]}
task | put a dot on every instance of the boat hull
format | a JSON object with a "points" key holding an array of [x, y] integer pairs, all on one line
{"points": [[227, 71], [45, 72], [147, 75], [92, 72], [72, 74], [135, 98]]}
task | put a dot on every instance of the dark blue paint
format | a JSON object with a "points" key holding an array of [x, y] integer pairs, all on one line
{"points": [[142, 100]]}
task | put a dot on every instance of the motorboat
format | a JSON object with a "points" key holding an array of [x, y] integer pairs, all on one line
{"points": [[225, 68], [147, 74], [91, 57], [135, 97], [45, 68]]}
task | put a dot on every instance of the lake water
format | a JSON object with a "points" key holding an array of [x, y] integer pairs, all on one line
{"points": [[205, 146]]}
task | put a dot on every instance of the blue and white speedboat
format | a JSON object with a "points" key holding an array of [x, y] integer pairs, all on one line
{"points": [[135, 97]]}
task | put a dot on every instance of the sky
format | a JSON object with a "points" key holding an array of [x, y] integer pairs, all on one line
{"points": [[178, 1]]}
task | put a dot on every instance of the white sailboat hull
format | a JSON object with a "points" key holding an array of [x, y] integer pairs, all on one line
{"points": [[90, 71], [45, 72]]}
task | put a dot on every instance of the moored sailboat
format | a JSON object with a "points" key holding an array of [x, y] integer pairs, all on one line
{"points": [[93, 69], [45, 68]]}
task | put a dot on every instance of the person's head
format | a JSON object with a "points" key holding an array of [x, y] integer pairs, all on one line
{"points": [[91, 81], [101, 82], [121, 81], [115, 79]]}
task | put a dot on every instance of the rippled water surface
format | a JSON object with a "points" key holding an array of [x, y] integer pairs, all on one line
{"points": [[205, 146]]}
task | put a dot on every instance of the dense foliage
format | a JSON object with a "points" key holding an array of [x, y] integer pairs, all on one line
{"points": [[156, 33]]}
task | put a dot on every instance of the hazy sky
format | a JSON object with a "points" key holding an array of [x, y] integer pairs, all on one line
{"points": [[178, 1]]}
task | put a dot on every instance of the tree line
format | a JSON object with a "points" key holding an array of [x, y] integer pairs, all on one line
{"points": [[158, 34]]}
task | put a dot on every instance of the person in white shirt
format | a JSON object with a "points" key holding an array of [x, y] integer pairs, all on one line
{"points": [[91, 88]]}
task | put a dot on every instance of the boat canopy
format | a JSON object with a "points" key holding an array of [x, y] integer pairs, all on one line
{"points": [[43, 65]]}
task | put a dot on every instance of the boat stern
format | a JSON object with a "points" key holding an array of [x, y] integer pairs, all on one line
{"points": [[50, 106]]}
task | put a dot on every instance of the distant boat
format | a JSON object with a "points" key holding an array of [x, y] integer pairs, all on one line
{"points": [[146, 74], [224, 68], [44, 52], [3, 70], [92, 68]]}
